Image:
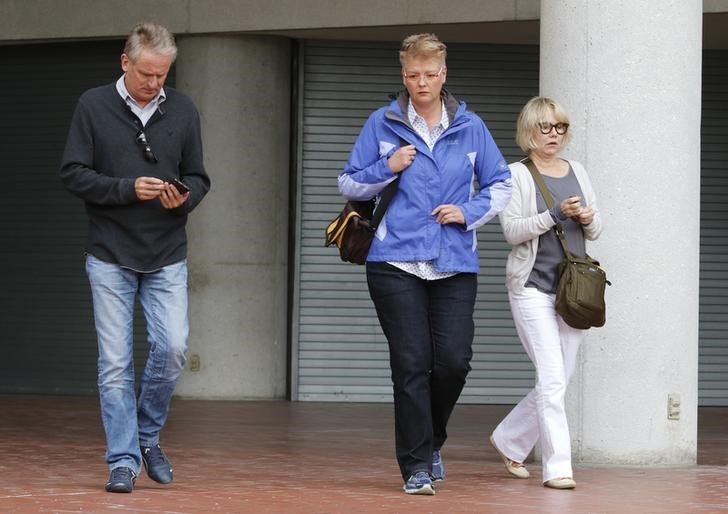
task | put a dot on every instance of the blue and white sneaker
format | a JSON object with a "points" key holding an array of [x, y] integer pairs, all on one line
{"points": [[438, 468], [419, 483]]}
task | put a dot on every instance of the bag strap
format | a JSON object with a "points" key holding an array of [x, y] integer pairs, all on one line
{"points": [[538, 179], [385, 197]]}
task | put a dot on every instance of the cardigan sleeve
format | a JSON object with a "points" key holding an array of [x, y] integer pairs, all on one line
{"points": [[519, 220]]}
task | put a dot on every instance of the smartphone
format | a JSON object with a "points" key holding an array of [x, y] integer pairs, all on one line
{"points": [[181, 186]]}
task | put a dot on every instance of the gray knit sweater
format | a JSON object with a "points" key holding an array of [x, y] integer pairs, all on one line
{"points": [[101, 161]]}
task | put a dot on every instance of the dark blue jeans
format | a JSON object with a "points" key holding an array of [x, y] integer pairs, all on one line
{"points": [[429, 328]]}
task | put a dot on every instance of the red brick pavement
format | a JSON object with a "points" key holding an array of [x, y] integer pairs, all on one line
{"points": [[283, 457]]}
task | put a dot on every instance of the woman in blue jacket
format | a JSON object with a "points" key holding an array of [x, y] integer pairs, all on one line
{"points": [[423, 263]]}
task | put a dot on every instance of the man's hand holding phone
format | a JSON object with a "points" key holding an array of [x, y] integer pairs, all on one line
{"points": [[181, 187], [175, 193]]}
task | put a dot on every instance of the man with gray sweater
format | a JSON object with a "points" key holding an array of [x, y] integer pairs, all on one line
{"points": [[134, 156]]}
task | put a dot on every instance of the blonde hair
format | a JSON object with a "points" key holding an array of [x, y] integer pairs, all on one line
{"points": [[422, 45], [533, 113], [152, 37]]}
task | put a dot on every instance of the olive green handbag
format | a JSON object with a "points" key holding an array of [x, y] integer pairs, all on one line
{"points": [[582, 282]]}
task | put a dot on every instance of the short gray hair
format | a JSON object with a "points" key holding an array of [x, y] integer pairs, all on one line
{"points": [[152, 37]]}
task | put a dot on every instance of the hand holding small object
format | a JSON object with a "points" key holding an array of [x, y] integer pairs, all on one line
{"points": [[402, 158], [571, 207]]}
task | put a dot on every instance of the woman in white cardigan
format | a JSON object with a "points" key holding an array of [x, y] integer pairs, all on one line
{"points": [[532, 277]]}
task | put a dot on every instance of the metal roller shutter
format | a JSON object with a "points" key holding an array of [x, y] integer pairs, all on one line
{"points": [[48, 337], [713, 361], [340, 353]]}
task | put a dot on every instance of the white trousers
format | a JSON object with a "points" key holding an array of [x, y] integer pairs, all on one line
{"points": [[552, 346]]}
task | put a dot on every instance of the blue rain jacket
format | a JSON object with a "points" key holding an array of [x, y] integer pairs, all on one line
{"points": [[464, 168]]}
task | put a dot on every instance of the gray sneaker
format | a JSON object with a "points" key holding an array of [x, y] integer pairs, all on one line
{"points": [[419, 483], [438, 468]]}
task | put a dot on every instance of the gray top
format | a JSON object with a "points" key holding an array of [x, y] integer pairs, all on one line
{"points": [[544, 275]]}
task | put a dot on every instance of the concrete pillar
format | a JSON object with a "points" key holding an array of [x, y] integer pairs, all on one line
{"points": [[238, 253], [629, 74]]}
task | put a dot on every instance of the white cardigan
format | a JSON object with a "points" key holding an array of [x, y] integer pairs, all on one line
{"points": [[522, 224]]}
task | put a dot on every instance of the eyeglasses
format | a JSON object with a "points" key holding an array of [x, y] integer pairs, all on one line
{"points": [[416, 77], [546, 128], [141, 138]]}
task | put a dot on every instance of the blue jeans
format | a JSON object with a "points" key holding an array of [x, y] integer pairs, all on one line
{"points": [[129, 422], [429, 328]]}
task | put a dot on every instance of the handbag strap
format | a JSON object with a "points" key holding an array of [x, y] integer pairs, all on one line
{"points": [[538, 179], [385, 197]]}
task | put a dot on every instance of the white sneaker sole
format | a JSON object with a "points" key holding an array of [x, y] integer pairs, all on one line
{"points": [[425, 489]]}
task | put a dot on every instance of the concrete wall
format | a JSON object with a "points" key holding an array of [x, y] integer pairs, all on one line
{"points": [[715, 6], [454, 20], [239, 234], [44, 19], [629, 73]]}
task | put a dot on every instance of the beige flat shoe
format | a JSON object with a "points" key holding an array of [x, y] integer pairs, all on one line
{"points": [[560, 483], [516, 469]]}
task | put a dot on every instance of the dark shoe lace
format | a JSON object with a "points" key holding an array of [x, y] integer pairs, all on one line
{"points": [[121, 473], [155, 456], [158, 467], [121, 480]]}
